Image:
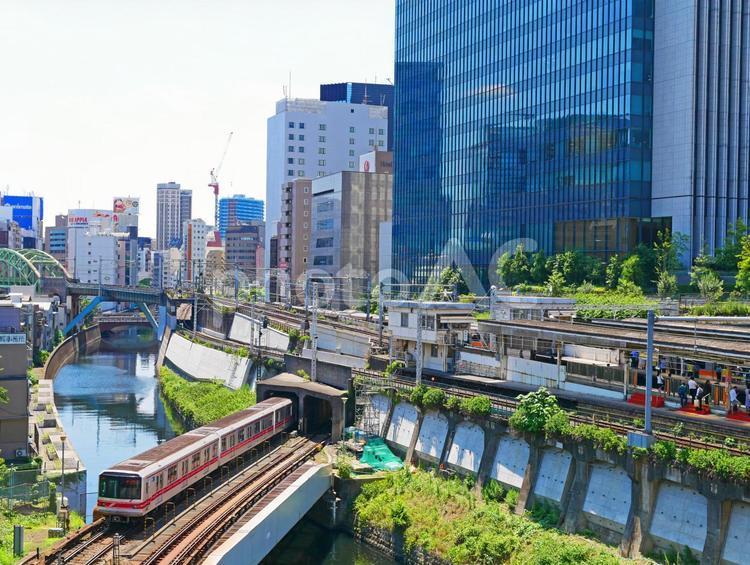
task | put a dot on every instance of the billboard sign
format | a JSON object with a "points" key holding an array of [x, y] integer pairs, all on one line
{"points": [[82, 218], [125, 205], [28, 211]]}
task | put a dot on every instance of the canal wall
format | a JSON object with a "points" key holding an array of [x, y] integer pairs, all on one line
{"points": [[638, 504], [202, 363], [84, 341]]}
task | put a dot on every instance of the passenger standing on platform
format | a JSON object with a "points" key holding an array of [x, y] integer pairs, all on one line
{"points": [[699, 395], [734, 404], [693, 389], [682, 391], [660, 383], [747, 400]]}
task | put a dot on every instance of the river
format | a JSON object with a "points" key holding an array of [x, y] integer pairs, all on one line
{"points": [[110, 408]]}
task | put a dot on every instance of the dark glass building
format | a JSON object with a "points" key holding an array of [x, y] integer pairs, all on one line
{"points": [[520, 121], [362, 93]]}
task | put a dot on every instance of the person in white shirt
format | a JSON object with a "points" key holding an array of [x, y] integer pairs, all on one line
{"points": [[692, 390]]}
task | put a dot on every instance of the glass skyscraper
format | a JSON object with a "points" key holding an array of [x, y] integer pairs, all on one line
{"points": [[237, 209], [520, 121]]}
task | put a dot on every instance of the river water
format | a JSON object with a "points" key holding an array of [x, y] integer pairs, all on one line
{"points": [[110, 408]]}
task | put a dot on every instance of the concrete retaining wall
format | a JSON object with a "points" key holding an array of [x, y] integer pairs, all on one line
{"points": [[534, 372], [206, 364], [343, 341], [640, 505], [84, 341], [243, 326]]}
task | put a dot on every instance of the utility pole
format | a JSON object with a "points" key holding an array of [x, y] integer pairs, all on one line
{"points": [[369, 298], [649, 367], [314, 335], [236, 287], [380, 314], [195, 303], [418, 352]]}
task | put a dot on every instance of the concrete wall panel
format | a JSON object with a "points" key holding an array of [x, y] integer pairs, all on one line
{"points": [[736, 548], [403, 421], [511, 460], [432, 435], [553, 473], [608, 497], [241, 330], [680, 516], [376, 414], [205, 364], [467, 447]]}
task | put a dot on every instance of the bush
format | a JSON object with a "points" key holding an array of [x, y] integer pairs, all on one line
{"points": [[345, 469], [511, 498], [417, 394], [302, 373], [453, 403], [664, 450], [545, 514], [493, 491], [399, 514], [394, 367], [477, 406], [433, 399], [534, 409], [728, 308]]}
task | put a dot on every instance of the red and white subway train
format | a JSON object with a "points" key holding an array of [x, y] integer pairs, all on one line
{"points": [[136, 486]]}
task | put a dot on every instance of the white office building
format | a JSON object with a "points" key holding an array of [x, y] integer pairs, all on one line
{"points": [[169, 203], [193, 251], [308, 138], [92, 247]]}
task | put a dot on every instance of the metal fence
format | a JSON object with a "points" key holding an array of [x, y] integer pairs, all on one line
{"points": [[15, 495]]}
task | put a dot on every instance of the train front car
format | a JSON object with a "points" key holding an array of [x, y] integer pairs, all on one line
{"points": [[119, 494]]}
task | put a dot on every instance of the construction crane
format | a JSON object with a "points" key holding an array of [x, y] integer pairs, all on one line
{"points": [[215, 180]]}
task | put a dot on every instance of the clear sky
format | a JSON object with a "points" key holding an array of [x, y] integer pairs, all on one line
{"points": [[105, 98]]}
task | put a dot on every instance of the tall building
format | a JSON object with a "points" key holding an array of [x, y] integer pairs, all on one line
{"points": [[55, 238], [236, 209], [193, 251], [92, 247], [28, 213], [362, 93], [701, 123], [294, 227], [531, 124], [169, 203], [311, 138], [186, 207], [243, 248], [347, 211]]}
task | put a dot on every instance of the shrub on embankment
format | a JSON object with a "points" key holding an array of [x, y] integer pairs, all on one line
{"points": [[538, 412], [199, 403], [446, 518]]}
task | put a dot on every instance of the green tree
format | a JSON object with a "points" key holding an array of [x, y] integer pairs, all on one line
{"points": [[514, 269], [709, 284], [631, 270], [666, 284], [742, 281], [252, 294], [668, 248], [4, 395], [576, 267], [555, 284], [538, 268], [727, 257], [612, 272]]}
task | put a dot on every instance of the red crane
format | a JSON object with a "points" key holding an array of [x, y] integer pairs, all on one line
{"points": [[215, 180]]}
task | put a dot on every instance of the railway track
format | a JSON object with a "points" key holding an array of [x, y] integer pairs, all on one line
{"points": [[196, 535], [87, 545], [663, 425]]}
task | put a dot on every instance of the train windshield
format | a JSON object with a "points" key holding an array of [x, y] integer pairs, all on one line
{"points": [[119, 486]]}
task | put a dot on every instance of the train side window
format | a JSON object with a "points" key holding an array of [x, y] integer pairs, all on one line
{"points": [[216, 450], [196, 460], [184, 467], [241, 435], [223, 444], [231, 440], [172, 474]]}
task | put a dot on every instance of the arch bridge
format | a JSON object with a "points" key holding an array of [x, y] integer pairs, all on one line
{"points": [[29, 267]]}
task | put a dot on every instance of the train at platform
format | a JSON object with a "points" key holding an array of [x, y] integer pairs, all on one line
{"points": [[139, 485]]}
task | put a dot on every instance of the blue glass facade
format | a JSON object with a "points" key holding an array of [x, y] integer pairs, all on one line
{"points": [[236, 209], [520, 120]]}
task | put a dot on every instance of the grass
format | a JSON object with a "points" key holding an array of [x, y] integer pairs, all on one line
{"points": [[445, 517], [35, 532], [199, 403]]}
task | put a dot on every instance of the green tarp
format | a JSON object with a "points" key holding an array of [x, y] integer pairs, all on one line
{"points": [[377, 455]]}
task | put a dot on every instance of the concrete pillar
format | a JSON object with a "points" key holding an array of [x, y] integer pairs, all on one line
{"points": [[491, 443], [338, 419], [388, 418], [414, 438], [576, 487], [636, 540], [716, 529], [529, 477], [301, 412], [452, 423]]}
